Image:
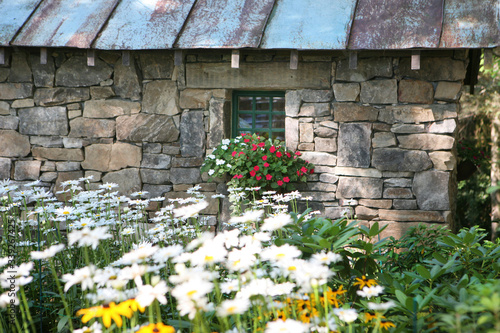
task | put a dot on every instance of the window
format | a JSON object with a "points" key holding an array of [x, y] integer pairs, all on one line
{"points": [[261, 112]]}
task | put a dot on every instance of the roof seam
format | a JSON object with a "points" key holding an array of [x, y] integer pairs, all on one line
{"points": [[442, 26], [92, 43], [352, 23], [25, 23], [266, 23], [176, 40]]}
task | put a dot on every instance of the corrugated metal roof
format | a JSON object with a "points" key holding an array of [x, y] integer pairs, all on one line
{"points": [[137, 25], [225, 24], [14, 14], [264, 24], [471, 23], [71, 23], [309, 24], [397, 24]]}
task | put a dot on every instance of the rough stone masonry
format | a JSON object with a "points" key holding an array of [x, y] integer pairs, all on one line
{"points": [[381, 135]]}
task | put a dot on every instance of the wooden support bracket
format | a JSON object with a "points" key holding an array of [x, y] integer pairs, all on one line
{"points": [[415, 60], [294, 59], [126, 58], [353, 60], [90, 58], [235, 59], [178, 58], [43, 56]]}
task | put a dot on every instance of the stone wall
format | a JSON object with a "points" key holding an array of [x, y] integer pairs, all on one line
{"points": [[381, 135]]}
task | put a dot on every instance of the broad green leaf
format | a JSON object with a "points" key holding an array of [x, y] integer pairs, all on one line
{"points": [[424, 272]]}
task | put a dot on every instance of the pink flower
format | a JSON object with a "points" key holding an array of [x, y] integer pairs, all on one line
{"points": [[234, 153], [304, 169], [264, 158], [258, 177], [279, 154], [252, 173], [272, 149], [262, 144], [256, 168], [280, 183], [298, 153], [286, 179], [246, 140], [254, 146], [266, 165], [268, 177]]}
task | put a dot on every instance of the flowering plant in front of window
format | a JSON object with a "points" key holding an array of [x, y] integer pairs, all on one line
{"points": [[254, 161]]}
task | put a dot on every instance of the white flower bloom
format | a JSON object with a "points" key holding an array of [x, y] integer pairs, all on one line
{"points": [[233, 306], [211, 172], [48, 253], [194, 290], [347, 315], [288, 326], [4, 261], [147, 294], [226, 141], [140, 254], [163, 254], [65, 211], [284, 252], [381, 306], [83, 275], [94, 328], [211, 156], [191, 210], [224, 147], [220, 162], [240, 260], [88, 237], [249, 216], [134, 272], [211, 252], [108, 186], [276, 222], [7, 298], [326, 258], [230, 286], [370, 292]]}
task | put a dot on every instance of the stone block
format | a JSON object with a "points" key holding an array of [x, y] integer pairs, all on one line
{"points": [[354, 145], [146, 128], [357, 187], [381, 127], [417, 113], [325, 132], [15, 90], [292, 133], [14, 144], [193, 136], [4, 73], [346, 92], [443, 126], [376, 203], [92, 128], [126, 79], [365, 213], [408, 128], [128, 180], [110, 108], [74, 114], [75, 72], [398, 182], [448, 91], [171, 150], [383, 140], [443, 160], [397, 193], [426, 141], [96, 176], [330, 124], [151, 148], [367, 69], [338, 212], [72, 143], [379, 92], [318, 187], [48, 177], [187, 162], [67, 166], [155, 191], [156, 177], [124, 155], [219, 113], [43, 121], [314, 110], [61, 178], [404, 204], [395, 159], [156, 161], [9, 122], [293, 102], [257, 75], [203, 187], [398, 229], [358, 172], [60, 95], [344, 112], [48, 166], [4, 108], [432, 190], [397, 174], [306, 146], [328, 178], [306, 132], [433, 69], [20, 71], [316, 96], [5, 168], [23, 103], [157, 65], [319, 158], [415, 91], [97, 157], [320, 196], [43, 75], [47, 141], [410, 215], [322, 169], [185, 175], [325, 144], [161, 97], [58, 154], [101, 92], [195, 98]]}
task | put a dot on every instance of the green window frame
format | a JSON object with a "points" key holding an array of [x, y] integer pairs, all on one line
{"points": [[261, 112]]}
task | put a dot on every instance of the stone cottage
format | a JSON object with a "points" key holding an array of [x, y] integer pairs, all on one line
{"points": [[137, 93]]}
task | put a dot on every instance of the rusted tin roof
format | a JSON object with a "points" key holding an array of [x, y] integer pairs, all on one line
{"points": [[225, 24], [137, 25], [14, 14], [264, 24], [309, 24], [71, 23]]}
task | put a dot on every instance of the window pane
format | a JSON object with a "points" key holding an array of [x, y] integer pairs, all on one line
{"points": [[245, 103], [278, 103], [278, 121], [245, 120], [261, 121], [263, 134], [279, 136], [262, 103]]}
